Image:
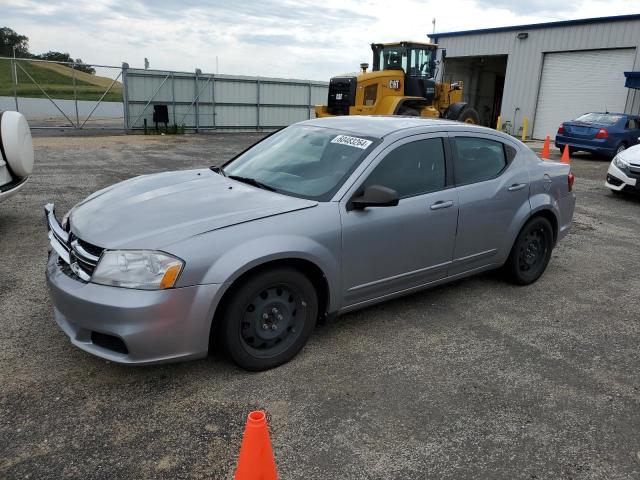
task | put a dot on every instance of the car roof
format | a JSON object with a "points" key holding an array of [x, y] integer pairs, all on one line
{"points": [[379, 126]]}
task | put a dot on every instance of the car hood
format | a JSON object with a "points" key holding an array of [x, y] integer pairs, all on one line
{"points": [[152, 211]]}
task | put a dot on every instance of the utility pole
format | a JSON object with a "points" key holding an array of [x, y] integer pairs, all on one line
{"points": [[15, 79], [433, 22]]}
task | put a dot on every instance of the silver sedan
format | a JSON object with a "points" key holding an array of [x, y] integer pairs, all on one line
{"points": [[321, 218]]}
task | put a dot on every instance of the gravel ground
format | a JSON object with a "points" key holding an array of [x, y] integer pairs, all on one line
{"points": [[478, 379]]}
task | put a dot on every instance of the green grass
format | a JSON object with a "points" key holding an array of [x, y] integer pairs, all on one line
{"points": [[57, 84]]}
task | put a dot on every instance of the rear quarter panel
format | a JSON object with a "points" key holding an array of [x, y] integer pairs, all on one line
{"points": [[550, 191]]}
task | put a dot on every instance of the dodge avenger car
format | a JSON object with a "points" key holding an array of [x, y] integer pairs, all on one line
{"points": [[321, 218]]}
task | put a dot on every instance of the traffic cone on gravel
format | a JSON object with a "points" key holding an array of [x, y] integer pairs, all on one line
{"points": [[565, 155], [545, 150], [256, 460]]}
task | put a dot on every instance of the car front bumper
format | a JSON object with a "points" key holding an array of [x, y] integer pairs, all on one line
{"points": [[132, 326], [618, 180]]}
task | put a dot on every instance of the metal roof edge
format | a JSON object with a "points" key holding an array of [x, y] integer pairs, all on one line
{"points": [[536, 26]]}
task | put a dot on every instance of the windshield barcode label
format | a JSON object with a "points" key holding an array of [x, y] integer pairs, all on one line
{"points": [[352, 141]]}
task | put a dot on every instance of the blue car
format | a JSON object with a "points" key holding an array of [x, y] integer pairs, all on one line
{"points": [[601, 133]]}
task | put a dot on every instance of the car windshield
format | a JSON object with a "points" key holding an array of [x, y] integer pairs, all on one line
{"points": [[603, 118], [302, 161]]}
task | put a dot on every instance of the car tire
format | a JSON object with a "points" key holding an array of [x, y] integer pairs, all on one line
{"points": [[269, 318], [531, 252]]}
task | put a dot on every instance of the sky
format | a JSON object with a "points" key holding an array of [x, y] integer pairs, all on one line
{"points": [[272, 38]]}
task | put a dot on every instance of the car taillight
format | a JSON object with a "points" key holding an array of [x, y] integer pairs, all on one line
{"points": [[602, 133], [561, 129], [570, 180]]}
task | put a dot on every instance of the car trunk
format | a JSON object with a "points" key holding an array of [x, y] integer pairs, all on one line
{"points": [[582, 129]]}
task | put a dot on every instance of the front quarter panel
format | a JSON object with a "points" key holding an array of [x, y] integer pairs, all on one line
{"points": [[223, 255]]}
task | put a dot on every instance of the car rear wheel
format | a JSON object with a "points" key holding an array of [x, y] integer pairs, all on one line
{"points": [[531, 252], [269, 318]]}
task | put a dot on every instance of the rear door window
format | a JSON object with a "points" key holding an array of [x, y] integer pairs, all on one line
{"points": [[478, 159]]}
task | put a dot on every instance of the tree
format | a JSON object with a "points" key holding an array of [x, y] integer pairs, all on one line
{"points": [[10, 39], [65, 57]]}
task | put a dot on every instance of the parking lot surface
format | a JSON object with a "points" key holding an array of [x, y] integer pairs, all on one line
{"points": [[477, 379]]}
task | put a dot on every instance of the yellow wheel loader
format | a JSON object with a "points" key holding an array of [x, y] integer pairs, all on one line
{"points": [[402, 82]]}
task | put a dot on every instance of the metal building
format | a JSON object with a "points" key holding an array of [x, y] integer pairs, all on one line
{"points": [[548, 72], [206, 101]]}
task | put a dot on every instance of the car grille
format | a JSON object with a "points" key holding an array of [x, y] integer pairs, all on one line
{"points": [[634, 171], [76, 258]]}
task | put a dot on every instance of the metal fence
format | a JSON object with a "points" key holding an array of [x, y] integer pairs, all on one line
{"points": [[206, 101], [58, 95]]}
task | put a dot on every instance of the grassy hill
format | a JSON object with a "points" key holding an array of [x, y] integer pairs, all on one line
{"points": [[57, 81]]}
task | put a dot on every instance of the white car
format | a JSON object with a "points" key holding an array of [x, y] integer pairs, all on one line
{"points": [[624, 171], [16, 153]]}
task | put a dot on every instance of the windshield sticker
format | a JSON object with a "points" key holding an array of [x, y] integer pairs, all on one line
{"points": [[352, 141]]}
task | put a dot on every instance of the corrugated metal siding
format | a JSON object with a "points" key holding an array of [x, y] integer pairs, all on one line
{"points": [[524, 64], [220, 101], [569, 87]]}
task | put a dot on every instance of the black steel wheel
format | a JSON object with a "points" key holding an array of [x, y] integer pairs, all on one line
{"points": [[531, 252], [269, 318]]}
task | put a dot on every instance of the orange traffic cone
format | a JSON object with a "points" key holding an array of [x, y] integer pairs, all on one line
{"points": [[565, 155], [545, 150], [256, 457]]}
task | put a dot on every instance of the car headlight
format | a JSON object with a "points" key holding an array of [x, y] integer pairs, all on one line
{"points": [[141, 269], [620, 164]]}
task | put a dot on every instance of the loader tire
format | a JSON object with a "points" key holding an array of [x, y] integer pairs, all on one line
{"points": [[469, 115], [408, 112]]}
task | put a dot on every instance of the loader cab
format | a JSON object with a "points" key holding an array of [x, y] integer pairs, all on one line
{"points": [[416, 60]]}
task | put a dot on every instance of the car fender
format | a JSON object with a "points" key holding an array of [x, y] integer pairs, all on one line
{"points": [[258, 251]]}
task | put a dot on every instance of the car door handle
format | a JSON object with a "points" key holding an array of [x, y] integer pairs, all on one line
{"points": [[517, 186], [441, 204]]}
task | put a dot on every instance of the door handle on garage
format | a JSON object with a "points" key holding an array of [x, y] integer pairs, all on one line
{"points": [[441, 204], [517, 186]]}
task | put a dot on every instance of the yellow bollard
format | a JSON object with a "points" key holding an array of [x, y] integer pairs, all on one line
{"points": [[525, 127], [499, 124]]}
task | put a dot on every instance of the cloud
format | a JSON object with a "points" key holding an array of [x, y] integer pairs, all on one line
{"points": [[281, 38]]}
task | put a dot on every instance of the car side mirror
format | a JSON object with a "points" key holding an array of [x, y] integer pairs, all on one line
{"points": [[375, 196]]}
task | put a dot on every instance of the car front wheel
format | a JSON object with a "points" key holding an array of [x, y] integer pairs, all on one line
{"points": [[531, 252], [269, 318]]}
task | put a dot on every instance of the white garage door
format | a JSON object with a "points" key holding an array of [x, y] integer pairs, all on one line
{"points": [[574, 83]]}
